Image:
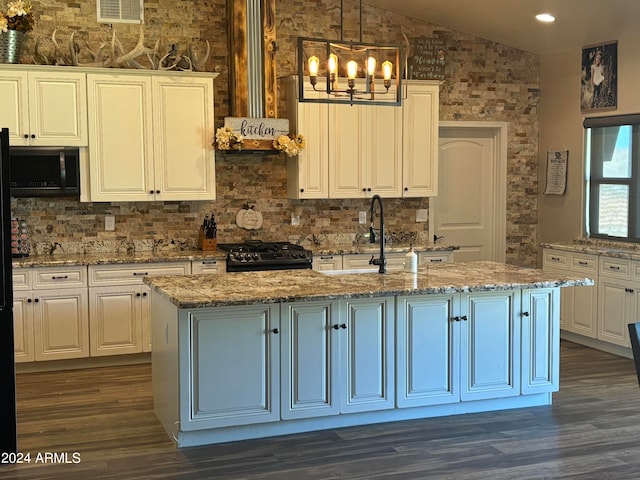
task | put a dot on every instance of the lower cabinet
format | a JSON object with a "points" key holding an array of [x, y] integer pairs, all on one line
{"points": [[337, 357], [50, 312], [458, 347], [233, 354]]}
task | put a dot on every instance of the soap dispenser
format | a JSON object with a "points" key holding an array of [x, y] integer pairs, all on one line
{"points": [[411, 261]]}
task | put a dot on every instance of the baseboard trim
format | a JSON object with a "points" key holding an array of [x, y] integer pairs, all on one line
{"points": [[78, 363]]}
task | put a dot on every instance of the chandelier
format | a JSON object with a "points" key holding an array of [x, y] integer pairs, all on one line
{"points": [[347, 72]]}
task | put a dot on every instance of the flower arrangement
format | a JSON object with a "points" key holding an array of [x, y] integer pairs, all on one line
{"points": [[289, 144], [19, 16], [227, 138]]}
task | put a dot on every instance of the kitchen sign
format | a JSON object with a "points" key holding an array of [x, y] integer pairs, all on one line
{"points": [[258, 128]]}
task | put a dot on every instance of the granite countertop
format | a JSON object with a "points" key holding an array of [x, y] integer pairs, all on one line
{"points": [[247, 288], [599, 247], [188, 255]]}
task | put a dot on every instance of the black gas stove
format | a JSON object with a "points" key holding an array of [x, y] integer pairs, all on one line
{"points": [[255, 255]]}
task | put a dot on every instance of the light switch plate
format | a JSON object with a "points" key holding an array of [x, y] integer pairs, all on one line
{"points": [[422, 215], [109, 223], [362, 218], [295, 219]]}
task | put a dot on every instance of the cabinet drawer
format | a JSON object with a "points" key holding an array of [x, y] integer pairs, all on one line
{"points": [[554, 258], [433, 259], [615, 268], [208, 266], [635, 271], [60, 277], [22, 278], [584, 263], [132, 274]]}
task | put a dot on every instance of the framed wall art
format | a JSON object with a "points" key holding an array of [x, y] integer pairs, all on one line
{"points": [[599, 89]]}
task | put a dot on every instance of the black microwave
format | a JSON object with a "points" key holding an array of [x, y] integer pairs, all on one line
{"points": [[44, 171]]}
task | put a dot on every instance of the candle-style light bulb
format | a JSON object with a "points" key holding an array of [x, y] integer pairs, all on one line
{"points": [[387, 68], [371, 66], [352, 70], [314, 63], [333, 70]]}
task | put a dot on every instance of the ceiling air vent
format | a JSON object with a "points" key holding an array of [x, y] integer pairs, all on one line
{"points": [[120, 11]]}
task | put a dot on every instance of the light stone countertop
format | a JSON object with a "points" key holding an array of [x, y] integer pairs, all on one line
{"points": [[599, 247], [248, 288], [104, 258]]}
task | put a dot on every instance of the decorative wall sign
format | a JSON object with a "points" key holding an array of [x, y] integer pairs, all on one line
{"points": [[428, 59], [258, 128], [556, 172], [599, 89]]}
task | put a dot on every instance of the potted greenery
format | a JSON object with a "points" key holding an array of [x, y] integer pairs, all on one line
{"points": [[14, 23]]}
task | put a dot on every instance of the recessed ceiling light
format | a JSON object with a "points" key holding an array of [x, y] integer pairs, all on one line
{"points": [[545, 17]]}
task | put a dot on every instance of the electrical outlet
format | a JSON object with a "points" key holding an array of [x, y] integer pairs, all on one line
{"points": [[362, 218], [109, 223], [295, 219], [422, 215]]}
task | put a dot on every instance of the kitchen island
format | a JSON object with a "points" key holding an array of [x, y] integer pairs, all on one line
{"points": [[259, 354]]}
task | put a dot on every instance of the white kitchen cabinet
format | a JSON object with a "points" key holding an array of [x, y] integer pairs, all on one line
{"points": [[119, 305], [50, 313], [327, 262], [617, 300], [365, 151], [161, 149], [44, 106], [540, 340], [208, 266], [234, 356], [459, 347], [308, 172], [420, 119], [310, 360]]}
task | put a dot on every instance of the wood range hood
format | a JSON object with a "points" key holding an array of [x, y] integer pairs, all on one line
{"points": [[252, 71]]}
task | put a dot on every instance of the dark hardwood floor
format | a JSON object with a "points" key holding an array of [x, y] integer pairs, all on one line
{"points": [[592, 431]]}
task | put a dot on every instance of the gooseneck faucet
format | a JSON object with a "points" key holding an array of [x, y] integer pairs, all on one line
{"points": [[382, 261]]}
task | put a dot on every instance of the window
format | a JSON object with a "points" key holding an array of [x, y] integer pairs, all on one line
{"points": [[613, 177]]}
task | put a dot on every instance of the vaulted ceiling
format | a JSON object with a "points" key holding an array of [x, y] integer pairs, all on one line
{"points": [[511, 22]]}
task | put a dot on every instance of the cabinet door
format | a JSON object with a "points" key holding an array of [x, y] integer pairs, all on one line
{"points": [[420, 140], [540, 340], [310, 360], [14, 113], [308, 172], [116, 323], [120, 146], [23, 332], [382, 136], [616, 308], [327, 262], [183, 138], [428, 351], [346, 168], [490, 345], [58, 108], [367, 349], [208, 266], [61, 322], [233, 354]]}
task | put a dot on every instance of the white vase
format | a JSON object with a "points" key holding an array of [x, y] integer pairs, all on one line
{"points": [[10, 45]]}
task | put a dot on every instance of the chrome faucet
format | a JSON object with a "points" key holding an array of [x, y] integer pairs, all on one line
{"points": [[382, 261]]}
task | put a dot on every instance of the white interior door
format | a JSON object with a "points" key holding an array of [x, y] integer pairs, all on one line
{"points": [[470, 209]]}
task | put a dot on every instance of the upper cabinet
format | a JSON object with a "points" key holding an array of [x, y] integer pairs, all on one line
{"points": [[356, 151], [161, 149], [420, 118], [44, 106]]}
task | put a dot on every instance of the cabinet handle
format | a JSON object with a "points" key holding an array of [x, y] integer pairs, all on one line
{"points": [[555, 259], [275, 331], [151, 192], [457, 319], [464, 317], [302, 190], [525, 314], [327, 258], [29, 300], [612, 267], [582, 263], [138, 294], [364, 189], [628, 290], [140, 274], [336, 327], [59, 277], [144, 294], [209, 262], [36, 300], [26, 136], [157, 191], [368, 189], [435, 260], [33, 135], [406, 189]]}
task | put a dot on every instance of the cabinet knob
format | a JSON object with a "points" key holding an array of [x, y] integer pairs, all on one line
{"points": [[33, 135], [336, 327], [26, 136], [157, 191], [364, 189], [457, 319], [36, 300], [464, 317], [138, 294], [275, 331], [151, 192], [343, 326], [525, 314], [406, 189], [302, 190], [144, 294], [29, 300], [368, 189]]}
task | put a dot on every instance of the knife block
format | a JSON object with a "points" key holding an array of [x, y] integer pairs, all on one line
{"points": [[206, 244]]}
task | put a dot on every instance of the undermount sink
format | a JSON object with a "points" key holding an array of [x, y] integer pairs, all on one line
{"points": [[355, 270]]}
